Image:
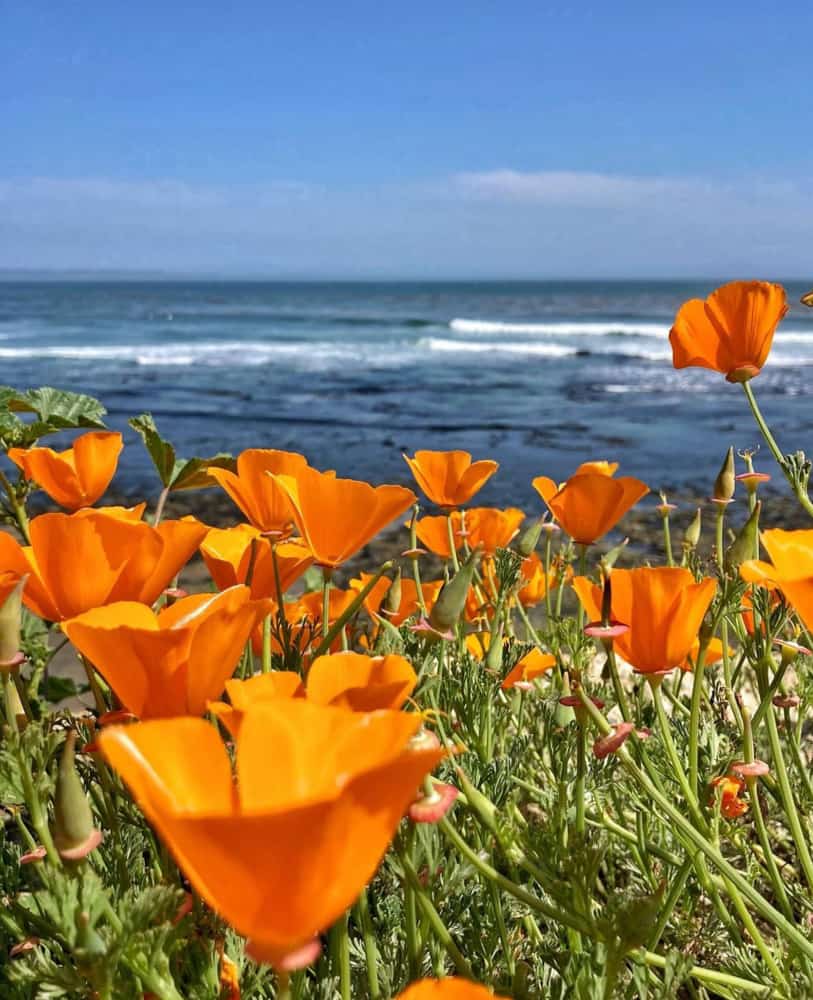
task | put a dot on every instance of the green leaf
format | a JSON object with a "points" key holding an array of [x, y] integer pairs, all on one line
{"points": [[56, 689], [54, 409], [177, 473]]}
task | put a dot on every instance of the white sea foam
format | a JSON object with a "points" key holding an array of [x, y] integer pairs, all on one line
{"points": [[496, 346], [606, 328]]}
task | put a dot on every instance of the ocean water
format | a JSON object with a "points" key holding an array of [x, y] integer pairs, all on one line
{"points": [[540, 376]]}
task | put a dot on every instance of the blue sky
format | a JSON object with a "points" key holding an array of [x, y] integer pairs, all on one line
{"points": [[361, 139]]}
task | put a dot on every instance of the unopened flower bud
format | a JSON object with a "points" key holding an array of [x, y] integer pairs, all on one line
{"points": [[74, 834], [494, 654], [11, 587], [725, 483], [451, 601], [610, 558], [392, 599], [744, 545], [529, 538], [692, 535]]}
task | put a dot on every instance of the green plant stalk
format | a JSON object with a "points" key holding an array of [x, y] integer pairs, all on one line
{"points": [[499, 917], [775, 450], [581, 776], [548, 549], [674, 759], [785, 790], [416, 570], [698, 676], [266, 660], [283, 986], [339, 943], [326, 575], [439, 929], [17, 509], [348, 613], [452, 548], [618, 687], [679, 821], [362, 911], [582, 572], [667, 541]]}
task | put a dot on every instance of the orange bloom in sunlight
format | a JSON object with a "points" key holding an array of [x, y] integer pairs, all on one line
{"points": [[265, 504], [227, 554], [78, 476], [525, 672], [253, 691], [282, 851], [790, 569], [408, 605], [663, 607], [491, 528], [361, 683], [449, 478], [534, 582], [337, 517], [590, 504], [446, 989], [731, 331], [433, 533], [84, 560], [171, 663], [731, 805], [310, 605], [602, 467], [714, 653]]}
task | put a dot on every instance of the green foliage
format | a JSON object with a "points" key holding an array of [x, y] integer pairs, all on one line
{"points": [[177, 473], [53, 410]]}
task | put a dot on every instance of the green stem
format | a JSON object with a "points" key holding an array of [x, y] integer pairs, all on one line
{"points": [[340, 954], [667, 541], [452, 547], [370, 946], [694, 718], [677, 765], [548, 547], [348, 613]]}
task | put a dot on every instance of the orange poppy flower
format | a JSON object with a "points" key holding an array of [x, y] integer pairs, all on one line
{"points": [[602, 467], [265, 504], [78, 476], [534, 664], [492, 529], [663, 607], [278, 853], [361, 683], [449, 478], [171, 663], [227, 554], [790, 569], [590, 504], [433, 533], [534, 582], [337, 517], [731, 805], [714, 653], [408, 605], [731, 331], [83, 560], [446, 989], [247, 694]]}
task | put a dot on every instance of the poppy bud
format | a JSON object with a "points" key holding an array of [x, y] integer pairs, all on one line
{"points": [[529, 539], [451, 601], [725, 482], [10, 617], [74, 834], [744, 545], [609, 560], [692, 535], [494, 655], [392, 599]]}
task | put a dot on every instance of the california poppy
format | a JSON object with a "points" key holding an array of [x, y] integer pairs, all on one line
{"points": [[790, 569], [433, 532], [361, 683], [534, 584], [262, 500], [173, 662], [663, 607], [730, 788], [731, 331], [279, 853], [408, 603], [83, 560], [491, 528], [247, 694], [337, 517], [533, 665], [78, 476], [449, 478], [446, 989], [229, 552], [590, 504]]}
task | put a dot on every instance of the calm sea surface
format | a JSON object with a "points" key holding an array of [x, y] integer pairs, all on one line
{"points": [[538, 375]]}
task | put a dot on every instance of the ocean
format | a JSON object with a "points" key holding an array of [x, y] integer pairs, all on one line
{"points": [[540, 376]]}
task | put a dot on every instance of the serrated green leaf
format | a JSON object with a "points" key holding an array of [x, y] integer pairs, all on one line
{"points": [[176, 473]]}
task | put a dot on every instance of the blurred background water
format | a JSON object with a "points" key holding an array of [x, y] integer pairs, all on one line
{"points": [[540, 376]]}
